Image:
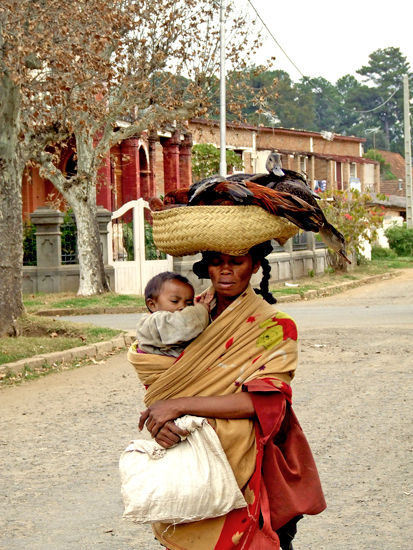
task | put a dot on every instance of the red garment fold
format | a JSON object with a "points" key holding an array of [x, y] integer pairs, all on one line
{"points": [[289, 471]]}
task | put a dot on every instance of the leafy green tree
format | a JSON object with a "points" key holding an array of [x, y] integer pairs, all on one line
{"points": [[384, 72], [326, 101], [206, 159], [355, 216], [385, 168]]}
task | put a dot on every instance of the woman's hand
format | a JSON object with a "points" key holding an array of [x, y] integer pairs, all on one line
{"points": [[158, 414], [170, 435]]}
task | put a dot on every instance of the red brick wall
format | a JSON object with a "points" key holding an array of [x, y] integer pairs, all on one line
{"points": [[158, 168]]}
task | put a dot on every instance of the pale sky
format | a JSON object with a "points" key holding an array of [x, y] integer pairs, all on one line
{"points": [[331, 39]]}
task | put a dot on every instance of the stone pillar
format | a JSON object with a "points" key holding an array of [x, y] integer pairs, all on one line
{"points": [[185, 166], [297, 163], [288, 161], [377, 178], [330, 175], [311, 241], [346, 176], [104, 184], [171, 161], [362, 176], [311, 171], [48, 236], [152, 161], [103, 218], [130, 172]]}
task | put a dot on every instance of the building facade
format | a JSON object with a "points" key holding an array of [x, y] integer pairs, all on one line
{"points": [[154, 163]]}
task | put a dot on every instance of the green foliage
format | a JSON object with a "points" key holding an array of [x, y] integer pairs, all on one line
{"points": [[385, 168], [353, 214], [384, 72], [69, 300], [400, 239], [69, 239], [151, 252], [349, 107], [29, 244], [379, 253], [127, 238], [206, 158]]}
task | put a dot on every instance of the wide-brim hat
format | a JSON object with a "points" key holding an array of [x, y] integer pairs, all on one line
{"points": [[230, 230]]}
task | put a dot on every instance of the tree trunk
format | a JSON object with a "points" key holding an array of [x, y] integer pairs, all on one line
{"points": [[11, 226], [93, 278]]}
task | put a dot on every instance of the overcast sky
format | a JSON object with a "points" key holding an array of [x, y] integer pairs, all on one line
{"points": [[332, 39]]}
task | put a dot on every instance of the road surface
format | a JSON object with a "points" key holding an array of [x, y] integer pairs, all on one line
{"points": [[61, 436]]}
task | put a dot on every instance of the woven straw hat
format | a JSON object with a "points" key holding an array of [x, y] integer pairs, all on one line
{"points": [[227, 229]]}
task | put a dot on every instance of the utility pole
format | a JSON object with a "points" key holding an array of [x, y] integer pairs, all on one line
{"points": [[222, 93], [408, 152]]}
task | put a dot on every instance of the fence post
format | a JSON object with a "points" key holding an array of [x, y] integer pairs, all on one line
{"points": [[48, 236], [104, 217]]}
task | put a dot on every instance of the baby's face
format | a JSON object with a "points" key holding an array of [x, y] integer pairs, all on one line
{"points": [[174, 296]]}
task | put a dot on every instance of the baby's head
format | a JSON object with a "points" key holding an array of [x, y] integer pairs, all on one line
{"points": [[168, 291]]}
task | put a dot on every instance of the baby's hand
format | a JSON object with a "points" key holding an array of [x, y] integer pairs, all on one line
{"points": [[205, 300]]}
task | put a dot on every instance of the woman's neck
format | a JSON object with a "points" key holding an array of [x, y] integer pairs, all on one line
{"points": [[222, 303]]}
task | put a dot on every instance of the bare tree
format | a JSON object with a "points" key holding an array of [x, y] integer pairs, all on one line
{"points": [[78, 67]]}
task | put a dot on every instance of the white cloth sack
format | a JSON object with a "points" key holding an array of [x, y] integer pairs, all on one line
{"points": [[188, 482]]}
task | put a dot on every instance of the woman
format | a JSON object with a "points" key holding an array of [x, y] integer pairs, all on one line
{"points": [[237, 373]]}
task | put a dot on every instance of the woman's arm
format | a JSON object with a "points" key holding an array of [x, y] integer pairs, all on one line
{"points": [[236, 405]]}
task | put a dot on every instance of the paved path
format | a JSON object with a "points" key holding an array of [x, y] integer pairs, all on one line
{"points": [[61, 436]]}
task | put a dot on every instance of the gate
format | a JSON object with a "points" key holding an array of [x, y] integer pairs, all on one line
{"points": [[130, 248]]}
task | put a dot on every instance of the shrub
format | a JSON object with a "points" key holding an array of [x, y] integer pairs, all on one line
{"points": [[379, 253], [400, 239], [353, 214], [206, 160], [29, 244]]}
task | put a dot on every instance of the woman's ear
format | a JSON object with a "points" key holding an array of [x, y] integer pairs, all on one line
{"points": [[256, 266]]}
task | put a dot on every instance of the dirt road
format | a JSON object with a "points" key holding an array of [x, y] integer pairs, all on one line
{"points": [[61, 436]]}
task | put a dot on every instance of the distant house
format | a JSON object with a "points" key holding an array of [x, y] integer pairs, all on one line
{"points": [[329, 160], [397, 167]]}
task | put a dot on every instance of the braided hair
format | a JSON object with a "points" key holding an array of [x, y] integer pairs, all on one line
{"points": [[258, 253]]}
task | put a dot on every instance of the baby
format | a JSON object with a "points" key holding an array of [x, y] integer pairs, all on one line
{"points": [[174, 320]]}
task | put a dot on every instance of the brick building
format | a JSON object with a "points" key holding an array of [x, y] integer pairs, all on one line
{"points": [[155, 163], [142, 166], [325, 157]]}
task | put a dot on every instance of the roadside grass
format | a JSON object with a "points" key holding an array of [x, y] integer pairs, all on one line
{"points": [[69, 300], [40, 335], [319, 282]]}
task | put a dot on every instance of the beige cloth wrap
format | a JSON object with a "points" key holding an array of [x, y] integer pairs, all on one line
{"points": [[242, 344]]}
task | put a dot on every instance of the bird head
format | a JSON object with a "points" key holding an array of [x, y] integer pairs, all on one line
{"points": [[334, 240], [273, 164]]}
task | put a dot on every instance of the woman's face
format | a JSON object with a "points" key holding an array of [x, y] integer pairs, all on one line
{"points": [[231, 275]]}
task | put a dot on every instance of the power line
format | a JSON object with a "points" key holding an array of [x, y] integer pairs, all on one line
{"points": [[313, 83]]}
